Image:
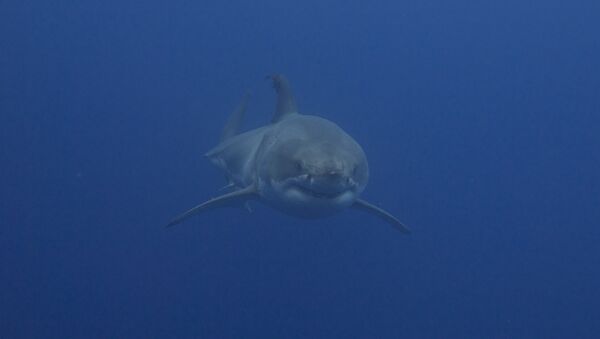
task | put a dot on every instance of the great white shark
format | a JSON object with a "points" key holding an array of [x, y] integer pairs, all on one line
{"points": [[303, 165]]}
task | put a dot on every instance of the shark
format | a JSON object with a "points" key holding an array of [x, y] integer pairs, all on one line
{"points": [[303, 165]]}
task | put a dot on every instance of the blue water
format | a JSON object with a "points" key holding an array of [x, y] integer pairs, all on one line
{"points": [[480, 120]]}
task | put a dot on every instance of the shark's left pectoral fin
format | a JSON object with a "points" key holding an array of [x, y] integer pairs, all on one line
{"points": [[234, 198], [367, 207]]}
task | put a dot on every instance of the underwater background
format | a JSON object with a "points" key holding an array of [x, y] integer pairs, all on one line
{"points": [[480, 121]]}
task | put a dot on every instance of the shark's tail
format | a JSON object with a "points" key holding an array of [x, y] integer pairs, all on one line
{"points": [[232, 126]]}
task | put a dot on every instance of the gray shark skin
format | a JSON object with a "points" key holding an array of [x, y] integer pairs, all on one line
{"points": [[303, 165]]}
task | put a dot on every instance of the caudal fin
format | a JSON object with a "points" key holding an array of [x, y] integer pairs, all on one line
{"points": [[286, 104], [232, 127]]}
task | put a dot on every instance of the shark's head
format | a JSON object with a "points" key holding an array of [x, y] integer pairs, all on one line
{"points": [[315, 170]]}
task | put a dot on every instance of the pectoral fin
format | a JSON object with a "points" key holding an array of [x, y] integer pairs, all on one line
{"points": [[367, 207], [230, 199]]}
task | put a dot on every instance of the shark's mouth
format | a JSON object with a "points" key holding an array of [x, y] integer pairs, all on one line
{"points": [[318, 194]]}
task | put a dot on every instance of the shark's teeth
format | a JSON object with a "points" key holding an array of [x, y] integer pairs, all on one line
{"points": [[317, 194]]}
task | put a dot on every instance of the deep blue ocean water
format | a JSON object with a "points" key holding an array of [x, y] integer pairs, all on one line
{"points": [[480, 120]]}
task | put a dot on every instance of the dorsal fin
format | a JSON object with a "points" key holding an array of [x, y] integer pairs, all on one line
{"points": [[286, 104], [235, 119]]}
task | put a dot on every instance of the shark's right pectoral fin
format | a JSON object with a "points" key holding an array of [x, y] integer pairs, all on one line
{"points": [[234, 198], [367, 207]]}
